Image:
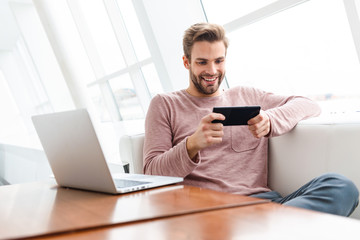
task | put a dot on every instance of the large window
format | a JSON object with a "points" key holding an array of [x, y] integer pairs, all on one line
{"points": [[26, 61], [10, 123], [119, 56], [66, 54], [294, 47]]}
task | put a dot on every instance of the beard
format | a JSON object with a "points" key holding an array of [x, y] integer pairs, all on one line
{"points": [[207, 90]]}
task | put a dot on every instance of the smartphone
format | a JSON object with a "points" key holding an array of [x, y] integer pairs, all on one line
{"points": [[236, 115]]}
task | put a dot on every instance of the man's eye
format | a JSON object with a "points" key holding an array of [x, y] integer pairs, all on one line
{"points": [[219, 61], [202, 63]]}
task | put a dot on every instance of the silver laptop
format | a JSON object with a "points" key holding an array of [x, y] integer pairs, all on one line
{"points": [[76, 158]]}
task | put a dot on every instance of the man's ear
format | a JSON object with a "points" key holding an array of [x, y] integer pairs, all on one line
{"points": [[186, 62]]}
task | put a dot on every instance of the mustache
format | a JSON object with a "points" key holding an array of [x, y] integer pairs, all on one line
{"points": [[210, 75]]}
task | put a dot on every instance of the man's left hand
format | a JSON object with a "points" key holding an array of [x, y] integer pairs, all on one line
{"points": [[259, 126]]}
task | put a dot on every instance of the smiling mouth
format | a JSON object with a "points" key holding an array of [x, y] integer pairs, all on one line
{"points": [[209, 79]]}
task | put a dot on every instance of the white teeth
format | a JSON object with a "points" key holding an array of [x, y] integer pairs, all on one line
{"points": [[209, 79]]}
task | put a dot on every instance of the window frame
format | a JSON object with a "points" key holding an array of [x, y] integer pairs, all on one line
{"points": [[133, 66]]}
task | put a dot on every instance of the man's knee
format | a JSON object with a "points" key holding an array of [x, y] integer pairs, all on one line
{"points": [[340, 183], [343, 191]]}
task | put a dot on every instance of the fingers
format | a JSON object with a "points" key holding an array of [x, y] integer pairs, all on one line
{"points": [[207, 122], [210, 129], [259, 126], [258, 118], [213, 116], [206, 134], [209, 133], [259, 132]]}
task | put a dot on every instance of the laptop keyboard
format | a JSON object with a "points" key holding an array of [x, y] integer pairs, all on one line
{"points": [[121, 183]]}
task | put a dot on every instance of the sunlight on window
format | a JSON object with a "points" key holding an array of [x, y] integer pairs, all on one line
{"points": [[126, 98], [99, 104], [32, 82], [152, 79], [11, 123], [108, 35], [133, 27], [306, 50], [229, 10], [102, 34]]}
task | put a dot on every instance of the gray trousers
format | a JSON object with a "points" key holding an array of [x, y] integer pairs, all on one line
{"points": [[329, 193]]}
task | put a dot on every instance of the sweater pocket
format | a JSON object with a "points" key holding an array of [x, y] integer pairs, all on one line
{"points": [[242, 140]]}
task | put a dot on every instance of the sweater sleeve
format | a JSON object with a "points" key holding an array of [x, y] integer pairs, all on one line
{"points": [[161, 157], [286, 112]]}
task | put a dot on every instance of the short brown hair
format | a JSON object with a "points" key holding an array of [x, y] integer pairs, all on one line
{"points": [[203, 32]]}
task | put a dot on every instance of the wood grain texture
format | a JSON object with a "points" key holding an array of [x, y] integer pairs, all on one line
{"points": [[42, 208], [261, 221]]}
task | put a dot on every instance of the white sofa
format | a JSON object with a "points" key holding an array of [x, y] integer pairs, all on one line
{"points": [[309, 150]]}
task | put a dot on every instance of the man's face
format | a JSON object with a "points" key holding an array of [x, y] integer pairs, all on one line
{"points": [[206, 69]]}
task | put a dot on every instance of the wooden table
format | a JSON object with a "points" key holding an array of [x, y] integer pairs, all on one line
{"points": [[38, 209], [261, 221]]}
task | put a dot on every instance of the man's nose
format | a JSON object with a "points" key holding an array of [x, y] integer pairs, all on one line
{"points": [[211, 69]]}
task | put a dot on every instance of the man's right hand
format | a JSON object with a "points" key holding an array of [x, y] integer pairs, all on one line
{"points": [[206, 134]]}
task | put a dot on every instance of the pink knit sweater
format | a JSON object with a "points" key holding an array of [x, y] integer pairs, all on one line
{"points": [[239, 163]]}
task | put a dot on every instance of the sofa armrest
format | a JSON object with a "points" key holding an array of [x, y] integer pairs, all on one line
{"points": [[310, 150], [131, 151]]}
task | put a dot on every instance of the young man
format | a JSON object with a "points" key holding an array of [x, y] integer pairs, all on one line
{"points": [[181, 140]]}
